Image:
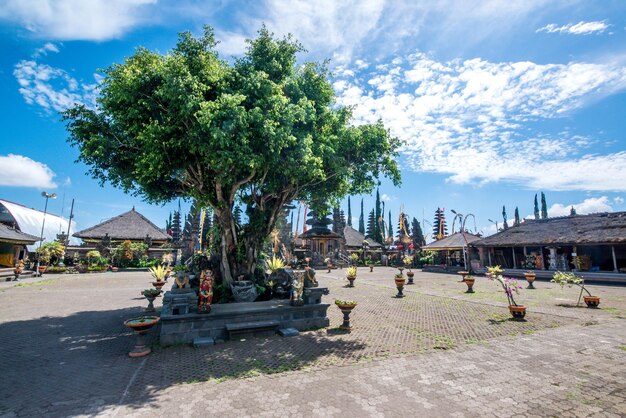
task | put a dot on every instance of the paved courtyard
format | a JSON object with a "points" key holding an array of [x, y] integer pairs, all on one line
{"points": [[437, 352]]}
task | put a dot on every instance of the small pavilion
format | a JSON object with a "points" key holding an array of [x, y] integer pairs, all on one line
{"points": [[13, 245], [451, 251], [319, 242]]}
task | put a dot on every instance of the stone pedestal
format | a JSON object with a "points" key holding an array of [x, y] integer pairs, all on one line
{"points": [[184, 328], [179, 302], [313, 295]]}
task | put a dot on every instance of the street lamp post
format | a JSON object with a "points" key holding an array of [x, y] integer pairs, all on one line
{"points": [[43, 224], [494, 222], [464, 219]]}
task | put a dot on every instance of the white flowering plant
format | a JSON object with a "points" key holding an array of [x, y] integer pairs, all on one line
{"points": [[509, 285]]}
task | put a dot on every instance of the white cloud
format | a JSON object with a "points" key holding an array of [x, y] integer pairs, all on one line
{"points": [[618, 200], [20, 171], [48, 47], [580, 28], [95, 20], [231, 43], [467, 119], [52, 88], [591, 205], [67, 182]]}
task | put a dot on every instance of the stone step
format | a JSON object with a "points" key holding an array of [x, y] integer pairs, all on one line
{"points": [[237, 329]]}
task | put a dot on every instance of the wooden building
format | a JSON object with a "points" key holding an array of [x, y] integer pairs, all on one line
{"points": [[355, 241], [595, 242], [13, 245]]}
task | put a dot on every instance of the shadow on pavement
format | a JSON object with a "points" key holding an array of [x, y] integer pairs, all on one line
{"points": [[78, 364]]}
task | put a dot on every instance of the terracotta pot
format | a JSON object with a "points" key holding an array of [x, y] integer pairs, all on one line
{"points": [[114, 269], [400, 282], [141, 325], [592, 301], [518, 312], [158, 285], [470, 284], [371, 269], [17, 271], [530, 278], [351, 280], [42, 269]]}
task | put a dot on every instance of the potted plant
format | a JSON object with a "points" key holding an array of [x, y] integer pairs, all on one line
{"points": [[463, 273], [399, 279], [354, 259], [570, 279], [19, 268], [510, 286], [158, 273], [530, 278], [408, 262], [150, 295], [329, 264], [274, 264], [346, 307], [371, 266], [351, 275], [469, 281]]}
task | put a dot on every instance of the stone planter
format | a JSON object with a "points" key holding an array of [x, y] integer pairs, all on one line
{"points": [[351, 280], [158, 284], [371, 269], [114, 269], [410, 275], [518, 312], [141, 325], [346, 309], [592, 301], [463, 274], [530, 278], [400, 286], [470, 284]]}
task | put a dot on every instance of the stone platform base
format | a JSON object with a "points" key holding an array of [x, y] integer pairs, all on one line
{"points": [[183, 329]]}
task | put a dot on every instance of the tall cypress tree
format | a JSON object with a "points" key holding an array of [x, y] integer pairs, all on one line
{"points": [[390, 234], [572, 211], [362, 220], [544, 207], [416, 234], [506, 226], [517, 221], [536, 207], [378, 236], [349, 213]]}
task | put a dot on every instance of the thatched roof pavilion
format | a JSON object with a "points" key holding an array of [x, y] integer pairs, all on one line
{"points": [[132, 226], [584, 242]]}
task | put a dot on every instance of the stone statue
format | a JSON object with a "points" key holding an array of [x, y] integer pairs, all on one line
{"points": [[297, 287], [205, 292], [244, 290], [282, 279], [309, 278]]}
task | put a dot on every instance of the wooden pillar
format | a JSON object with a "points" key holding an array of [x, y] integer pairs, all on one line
{"points": [[514, 262], [614, 259], [489, 255]]}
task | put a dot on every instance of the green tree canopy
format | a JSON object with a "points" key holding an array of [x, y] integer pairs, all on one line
{"points": [[262, 131]]}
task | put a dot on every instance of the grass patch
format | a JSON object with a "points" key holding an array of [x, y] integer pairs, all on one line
{"points": [[43, 283]]}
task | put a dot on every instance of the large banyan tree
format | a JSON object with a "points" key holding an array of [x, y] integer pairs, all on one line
{"points": [[261, 131]]}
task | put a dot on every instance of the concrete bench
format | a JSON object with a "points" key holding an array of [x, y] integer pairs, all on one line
{"points": [[238, 328]]}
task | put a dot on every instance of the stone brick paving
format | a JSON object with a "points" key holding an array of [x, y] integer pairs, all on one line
{"points": [[434, 353]]}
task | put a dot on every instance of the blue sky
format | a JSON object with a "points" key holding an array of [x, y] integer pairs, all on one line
{"points": [[495, 100]]}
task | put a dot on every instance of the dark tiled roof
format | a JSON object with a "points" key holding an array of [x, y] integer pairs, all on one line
{"points": [[131, 225], [452, 242], [598, 228], [14, 236], [355, 239]]}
